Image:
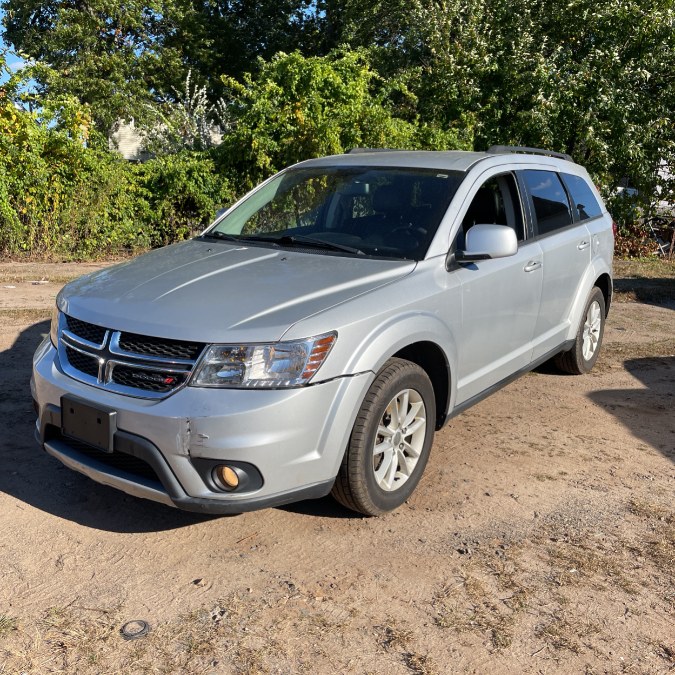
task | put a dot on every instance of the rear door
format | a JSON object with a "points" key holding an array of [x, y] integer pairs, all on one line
{"points": [[566, 245]]}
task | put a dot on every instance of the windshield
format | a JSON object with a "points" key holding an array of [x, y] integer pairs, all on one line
{"points": [[381, 212]]}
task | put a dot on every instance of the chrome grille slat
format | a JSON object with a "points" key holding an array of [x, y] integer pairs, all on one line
{"points": [[155, 369]]}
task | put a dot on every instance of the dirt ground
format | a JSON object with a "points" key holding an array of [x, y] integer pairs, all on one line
{"points": [[540, 540]]}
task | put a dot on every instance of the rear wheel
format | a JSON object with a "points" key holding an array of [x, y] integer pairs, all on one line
{"points": [[582, 357], [391, 441]]}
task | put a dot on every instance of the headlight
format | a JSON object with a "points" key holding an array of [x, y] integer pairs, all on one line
{"points": [[271, 366], [54, 328]]}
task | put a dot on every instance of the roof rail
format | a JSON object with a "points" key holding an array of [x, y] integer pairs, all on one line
{"points": [[499, 149], [358, 151]]}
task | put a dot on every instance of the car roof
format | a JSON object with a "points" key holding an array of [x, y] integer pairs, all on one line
{"points": [[450, 160]]}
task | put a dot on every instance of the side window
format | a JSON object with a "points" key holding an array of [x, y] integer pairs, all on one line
{"points": [[549, 199], [496, 202], [584, 203]]}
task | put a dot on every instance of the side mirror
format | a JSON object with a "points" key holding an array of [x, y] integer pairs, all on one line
{"points": [[484, 242]]}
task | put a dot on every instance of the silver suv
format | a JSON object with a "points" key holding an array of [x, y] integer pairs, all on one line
{"points": [[316, 335]]}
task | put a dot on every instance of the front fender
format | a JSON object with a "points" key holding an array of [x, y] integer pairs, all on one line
{"points": [[398, 332]]}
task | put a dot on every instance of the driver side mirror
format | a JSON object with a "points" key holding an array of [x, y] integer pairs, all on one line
{"points": [[484, 242]]}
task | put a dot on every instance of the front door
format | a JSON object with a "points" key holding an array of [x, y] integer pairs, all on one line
{"points": [[500, 298]]}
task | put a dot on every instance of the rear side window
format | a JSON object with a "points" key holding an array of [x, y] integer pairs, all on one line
{"points": [[549, 199], [584, 203]]}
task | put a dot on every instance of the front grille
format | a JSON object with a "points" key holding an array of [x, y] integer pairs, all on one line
{"points": [[132, 364], [87, 331], [116, 459], [83, 362], [152, 346], [147, 380]]}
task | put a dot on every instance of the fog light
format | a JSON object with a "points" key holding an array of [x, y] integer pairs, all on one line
{"points": [[227, 476]]}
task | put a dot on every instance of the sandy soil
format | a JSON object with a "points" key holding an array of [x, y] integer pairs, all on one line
{"points": [[541, 539]]}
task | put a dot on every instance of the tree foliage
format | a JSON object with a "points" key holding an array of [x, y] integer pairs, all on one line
{"points": [[301, 78], [298, 107], [63, 193], [119, 55]]}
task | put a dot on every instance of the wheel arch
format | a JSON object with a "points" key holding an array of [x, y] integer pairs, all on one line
{"points": [[432, 360], [418, 337], [604, 283], [598, 274]]}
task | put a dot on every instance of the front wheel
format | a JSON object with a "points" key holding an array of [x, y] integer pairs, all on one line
{"points": [[391, 441], [582, 357]]}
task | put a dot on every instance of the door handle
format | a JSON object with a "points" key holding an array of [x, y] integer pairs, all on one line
{"points": [[584, 244], [532, 265]]}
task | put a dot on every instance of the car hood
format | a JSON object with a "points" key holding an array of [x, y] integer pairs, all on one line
{"points": [[219, 292]]}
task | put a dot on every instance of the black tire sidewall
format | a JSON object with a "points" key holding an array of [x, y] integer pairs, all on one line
{"points": [[415, 379], [585, 365]]}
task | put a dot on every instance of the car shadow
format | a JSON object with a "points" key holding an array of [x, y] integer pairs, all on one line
{"points": [[659, 292], [33, 477], [30, 475], [326, 507], [649, 414]]}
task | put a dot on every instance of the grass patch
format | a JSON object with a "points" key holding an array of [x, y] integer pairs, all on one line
{"points": [[616, 353], [653, 267], [650, 280], [544, 477], [21, 316], [651, 510], [659, 545], [420, 664], [489, 607], [563, 632], [71, 640], [394, 638], [7, 624], [575, 562], [9, 278]]}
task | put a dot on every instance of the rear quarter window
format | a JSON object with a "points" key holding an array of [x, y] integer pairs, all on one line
{"points": [[549, 200], [584, 203]]}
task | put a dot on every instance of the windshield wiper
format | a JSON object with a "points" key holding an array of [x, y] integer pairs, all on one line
{"points": [[220, 235], [287, 240], [302, 240]]}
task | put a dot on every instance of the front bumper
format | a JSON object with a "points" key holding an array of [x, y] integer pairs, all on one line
{"points": [[294, 438]]}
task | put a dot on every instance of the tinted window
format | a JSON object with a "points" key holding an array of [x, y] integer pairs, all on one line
{"points": [[584, 203], [551, 208], [496, 202]]}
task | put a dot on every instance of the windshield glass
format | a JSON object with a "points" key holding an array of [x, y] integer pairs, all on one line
{"points": [[381, 212]]}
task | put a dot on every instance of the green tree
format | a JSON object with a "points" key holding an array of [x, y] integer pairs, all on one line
{"points": [[110, 55], [298, 107], [592, 78], [119, 55]]}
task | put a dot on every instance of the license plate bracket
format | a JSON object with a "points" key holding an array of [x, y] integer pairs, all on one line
{"points": [[94, 425]]}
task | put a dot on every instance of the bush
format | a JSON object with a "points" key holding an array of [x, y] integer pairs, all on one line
{"points": [[63, 193], [57, 194], [182, 192]]}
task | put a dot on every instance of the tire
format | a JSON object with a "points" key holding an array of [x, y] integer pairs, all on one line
{"points": [[582, 357], [385, 460]]}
